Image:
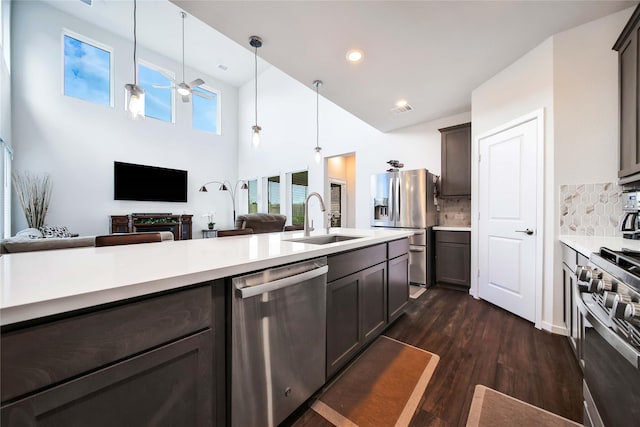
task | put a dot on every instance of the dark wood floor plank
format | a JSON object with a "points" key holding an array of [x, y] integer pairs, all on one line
{"points": [[479, 343]]}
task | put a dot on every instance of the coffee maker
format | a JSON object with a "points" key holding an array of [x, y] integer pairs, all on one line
{"points": [[630, 223]]}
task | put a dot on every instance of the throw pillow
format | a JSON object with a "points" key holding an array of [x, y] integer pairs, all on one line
{"points": [[49, 231], [29, 233]]}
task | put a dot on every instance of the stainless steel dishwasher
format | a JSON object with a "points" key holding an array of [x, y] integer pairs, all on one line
{"points": [[278, 341]]}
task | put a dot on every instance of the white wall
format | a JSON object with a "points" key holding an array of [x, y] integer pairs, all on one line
{"points": [[76, 142], [573, 76], [5, 103], [287, 115]]}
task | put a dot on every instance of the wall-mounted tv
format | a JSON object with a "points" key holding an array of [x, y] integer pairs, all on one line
{"points": [[148, 183]]}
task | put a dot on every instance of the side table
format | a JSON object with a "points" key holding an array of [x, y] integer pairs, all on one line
{"points": [[206, 233]]}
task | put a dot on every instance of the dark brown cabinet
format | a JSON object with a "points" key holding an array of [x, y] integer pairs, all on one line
{"points": [[398, 278], [453, 257], [456, 161], [571, 316], [356, 303], [148, 362], [627, 46]]}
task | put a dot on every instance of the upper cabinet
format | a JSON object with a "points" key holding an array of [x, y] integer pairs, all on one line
{"points": [[456, 161], [629, 90]]}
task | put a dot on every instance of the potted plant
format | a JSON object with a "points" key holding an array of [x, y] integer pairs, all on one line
{"points": [[210, 216]]}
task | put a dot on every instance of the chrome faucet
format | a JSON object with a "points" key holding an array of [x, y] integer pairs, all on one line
{"points": [[308, 229]]}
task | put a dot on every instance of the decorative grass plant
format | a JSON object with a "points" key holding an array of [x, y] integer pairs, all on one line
{"points": [[34, 193]]}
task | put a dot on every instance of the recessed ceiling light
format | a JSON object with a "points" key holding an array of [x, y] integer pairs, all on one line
{"points": [[401, 103], [355, 55]]}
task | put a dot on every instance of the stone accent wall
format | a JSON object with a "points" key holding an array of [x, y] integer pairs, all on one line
{"points": [[455, 212], [590, 209]]}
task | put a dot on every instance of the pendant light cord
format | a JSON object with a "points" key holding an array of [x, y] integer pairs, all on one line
{"points": [[135, 43], [183, 16], [256, 82], [317, 118]]}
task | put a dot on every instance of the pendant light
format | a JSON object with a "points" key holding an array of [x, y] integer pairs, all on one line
{"points": [[256, 42], [318, 156], [134, 94]]}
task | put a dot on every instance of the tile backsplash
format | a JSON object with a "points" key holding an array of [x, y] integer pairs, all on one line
{"points": [[455, 212], [590, 209]]}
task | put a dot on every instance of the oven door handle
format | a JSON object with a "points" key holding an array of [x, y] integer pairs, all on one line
{"points": [[628, 352]]}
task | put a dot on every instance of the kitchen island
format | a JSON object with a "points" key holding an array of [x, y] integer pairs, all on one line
{"points": [[84, 329]]}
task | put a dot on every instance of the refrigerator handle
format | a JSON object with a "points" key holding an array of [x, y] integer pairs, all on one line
{"points": [[398, 201], [392, 189]]}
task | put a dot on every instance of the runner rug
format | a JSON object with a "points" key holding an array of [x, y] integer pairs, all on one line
{"points": [[382, 387], [490, 408]]}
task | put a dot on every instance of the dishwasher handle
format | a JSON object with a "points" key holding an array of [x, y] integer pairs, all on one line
{"points": [[262, 288]]}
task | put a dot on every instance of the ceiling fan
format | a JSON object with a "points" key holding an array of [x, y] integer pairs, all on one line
{"points": [[185, 89]]}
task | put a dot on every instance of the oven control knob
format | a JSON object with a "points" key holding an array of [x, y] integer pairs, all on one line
{"points": [[619, 306], [632, 311], [583, 273], [609, 298], [593, 285], [607, 285]]}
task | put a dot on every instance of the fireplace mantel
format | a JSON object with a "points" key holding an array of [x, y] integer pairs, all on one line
{"points": [[179, 225]]}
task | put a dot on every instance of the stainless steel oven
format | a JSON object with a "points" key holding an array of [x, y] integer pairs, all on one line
{"points": [[608, 299]]}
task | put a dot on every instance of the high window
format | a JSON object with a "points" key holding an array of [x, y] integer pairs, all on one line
{"points": [[273, 194], [252, 196], [87, 70], [299, 190], [206, 110], [158, 94]]}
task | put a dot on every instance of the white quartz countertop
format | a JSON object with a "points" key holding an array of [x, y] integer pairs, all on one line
{"points": [[451, 228], [37, 284], [588, 244]]}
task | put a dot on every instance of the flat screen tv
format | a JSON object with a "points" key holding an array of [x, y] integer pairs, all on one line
{"points": [[148, 183]]}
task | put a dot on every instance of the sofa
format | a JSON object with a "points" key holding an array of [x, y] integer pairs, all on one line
{"points": [[261, 222], [22, 244]]}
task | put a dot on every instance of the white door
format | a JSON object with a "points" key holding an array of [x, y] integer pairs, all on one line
{"points": [[508, 218]]}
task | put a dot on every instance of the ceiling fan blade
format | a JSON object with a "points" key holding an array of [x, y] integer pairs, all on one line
{"points": [[196, 82], [186, 98], [163, 87], [201, 95]]}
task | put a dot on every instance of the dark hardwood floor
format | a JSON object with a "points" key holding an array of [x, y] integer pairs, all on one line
{"points": [[479, 343]]}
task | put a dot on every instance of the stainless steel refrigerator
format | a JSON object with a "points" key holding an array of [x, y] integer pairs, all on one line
{"points": [[405, 199]]}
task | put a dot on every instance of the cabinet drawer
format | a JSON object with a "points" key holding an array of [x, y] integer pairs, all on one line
{"points": [[463, 237], [398, 248], [42, 355], [569, 257], [350, 262]]}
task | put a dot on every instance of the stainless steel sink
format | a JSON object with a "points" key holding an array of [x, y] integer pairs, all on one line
{"points": [[324, 239]]}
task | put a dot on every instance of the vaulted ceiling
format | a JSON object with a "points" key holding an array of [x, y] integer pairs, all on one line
{"points": [[430, 53]]}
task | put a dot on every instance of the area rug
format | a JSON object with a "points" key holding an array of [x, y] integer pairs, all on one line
{"points": [[490, 408], [416, 291], [381, 388]]}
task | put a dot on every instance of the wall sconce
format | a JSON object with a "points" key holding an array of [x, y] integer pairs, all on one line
{"points": [[134, 94], [318, 149], [256, 42], [233, 191]]}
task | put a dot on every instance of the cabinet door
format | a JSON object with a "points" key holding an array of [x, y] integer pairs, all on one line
{"points": [[343, 321], [456, 161], [453, 257], [629, 152], [169, 386], [373, 294], [398, 286]]}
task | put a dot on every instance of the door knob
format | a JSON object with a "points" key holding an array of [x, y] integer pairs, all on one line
{"points": [[528, 232]]}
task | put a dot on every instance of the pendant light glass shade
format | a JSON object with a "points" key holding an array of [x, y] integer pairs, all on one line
{"points": [[318, 155], [134, 94], [256, 42]]}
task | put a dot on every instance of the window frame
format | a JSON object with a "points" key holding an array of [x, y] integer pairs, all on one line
{"points": [[257, 201], [267, 192], [290, 200], [169, 75], [96, 44], [218, 94]]}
